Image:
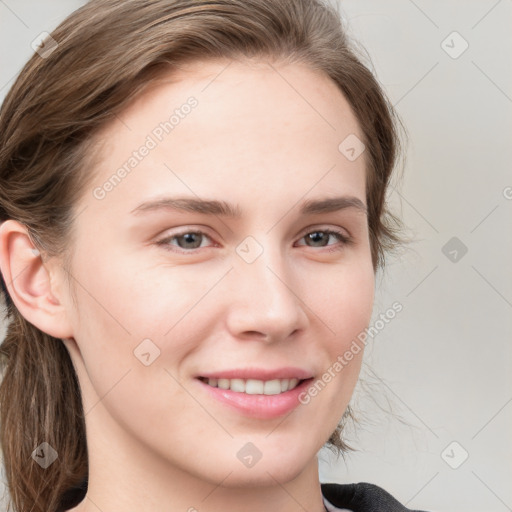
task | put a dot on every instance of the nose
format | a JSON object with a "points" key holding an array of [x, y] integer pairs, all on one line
{"points": [[264, 301]]}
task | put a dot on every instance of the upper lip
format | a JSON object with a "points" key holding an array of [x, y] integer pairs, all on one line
{"points": [[260, 373]]}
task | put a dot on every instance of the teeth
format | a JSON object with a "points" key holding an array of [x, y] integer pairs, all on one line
{"points": [[254, 387]]}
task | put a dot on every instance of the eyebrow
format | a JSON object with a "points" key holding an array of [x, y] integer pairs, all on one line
{"points": [[225, 209]]}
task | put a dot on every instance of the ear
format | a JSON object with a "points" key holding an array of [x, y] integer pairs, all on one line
{"points": [[29, 282]]}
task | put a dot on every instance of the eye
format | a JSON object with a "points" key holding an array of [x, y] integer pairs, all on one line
{"points": [[185, 241], [321, 237], [188, 241]]}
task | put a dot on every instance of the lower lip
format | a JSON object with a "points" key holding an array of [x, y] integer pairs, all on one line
{"points": [[258, 406]]}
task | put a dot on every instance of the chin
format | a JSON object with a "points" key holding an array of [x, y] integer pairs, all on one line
{"points": [[266, 474], [282, 461]]}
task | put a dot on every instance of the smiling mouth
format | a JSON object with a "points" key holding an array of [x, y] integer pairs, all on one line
{"points": [[254, 386]]}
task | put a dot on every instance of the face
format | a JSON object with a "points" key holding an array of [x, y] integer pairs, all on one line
{"points": [[233, 252]]}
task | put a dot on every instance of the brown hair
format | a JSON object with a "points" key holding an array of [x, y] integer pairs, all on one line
{"points": [[108, 52]]}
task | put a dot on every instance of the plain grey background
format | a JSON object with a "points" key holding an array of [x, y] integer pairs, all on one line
{"points": [[444, 362]]}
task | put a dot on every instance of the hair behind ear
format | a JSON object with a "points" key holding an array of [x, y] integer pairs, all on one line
{"points": [[40, 402]]}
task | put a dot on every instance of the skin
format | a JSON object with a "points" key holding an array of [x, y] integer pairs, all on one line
{"points": [[264, 136]]}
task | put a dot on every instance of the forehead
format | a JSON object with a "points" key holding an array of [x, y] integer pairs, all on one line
{"points": [[262, 123]]}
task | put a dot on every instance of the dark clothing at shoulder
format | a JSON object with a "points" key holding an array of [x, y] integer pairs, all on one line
{"points": [[362, 497], [73, 496]]}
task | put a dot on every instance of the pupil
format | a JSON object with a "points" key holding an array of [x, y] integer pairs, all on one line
{"points": [[192, 240], [317, 236]]}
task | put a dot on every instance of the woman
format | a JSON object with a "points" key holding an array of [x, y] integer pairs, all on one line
{"points": [[193, 211]]}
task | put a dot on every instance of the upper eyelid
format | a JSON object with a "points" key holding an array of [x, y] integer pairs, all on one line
{"points": [[201, 231], [326, 228]]}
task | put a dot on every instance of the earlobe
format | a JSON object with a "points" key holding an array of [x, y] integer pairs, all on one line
{"points": [[29, 282]]}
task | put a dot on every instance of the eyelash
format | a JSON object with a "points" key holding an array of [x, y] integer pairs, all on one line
{"points": [[343, 238]]}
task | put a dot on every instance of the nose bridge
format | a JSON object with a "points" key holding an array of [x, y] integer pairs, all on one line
{"points": [[264, 298]]}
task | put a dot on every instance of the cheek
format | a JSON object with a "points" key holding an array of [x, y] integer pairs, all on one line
{"points": [[343, 302], [345, 308], [357, 302], [122, 299], [121, 306]]}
